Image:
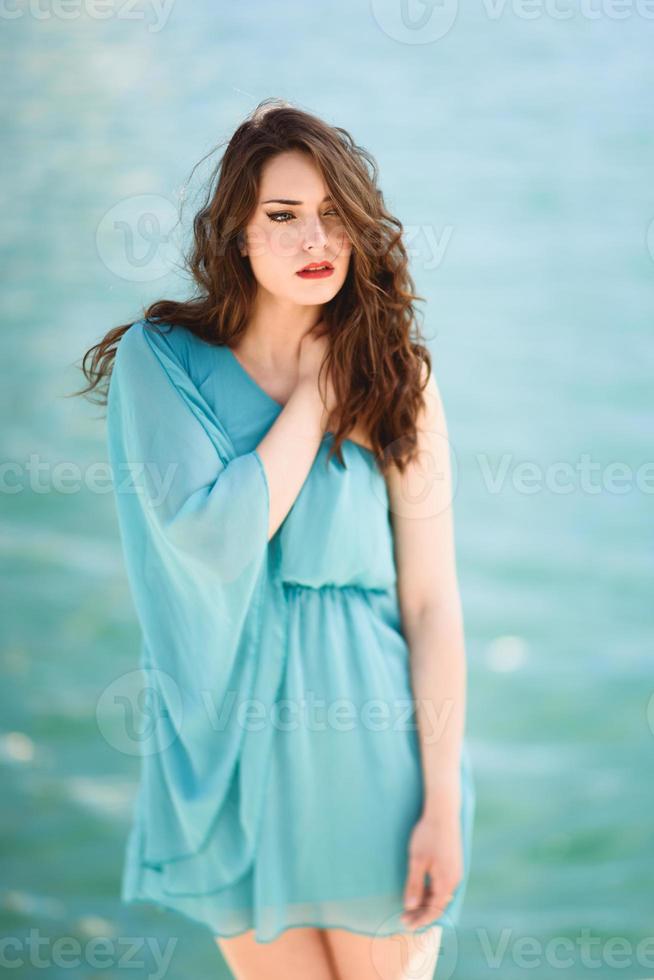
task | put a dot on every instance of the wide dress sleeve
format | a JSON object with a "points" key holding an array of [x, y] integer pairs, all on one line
{"points": [[193, 518]]}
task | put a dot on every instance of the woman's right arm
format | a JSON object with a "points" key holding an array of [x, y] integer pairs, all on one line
{"points": [[289, 448], [170, 474]]}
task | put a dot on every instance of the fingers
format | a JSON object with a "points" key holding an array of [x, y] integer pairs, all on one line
{"points": [[433, 898], [414, 892]]}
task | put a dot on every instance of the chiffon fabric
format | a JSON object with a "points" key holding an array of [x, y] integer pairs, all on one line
{"points": [[280, 773]]}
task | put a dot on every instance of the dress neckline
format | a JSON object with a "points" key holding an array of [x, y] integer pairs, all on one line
{"points": [[273, 401], [249, 377]]}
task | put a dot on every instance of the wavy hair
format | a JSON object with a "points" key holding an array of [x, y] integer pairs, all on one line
{"points": [[375, 352]]}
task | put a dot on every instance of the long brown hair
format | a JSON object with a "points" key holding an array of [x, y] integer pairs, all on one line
{"points": [[375, 351]]}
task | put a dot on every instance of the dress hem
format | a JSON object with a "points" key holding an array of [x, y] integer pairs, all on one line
{"points": [[162, 906]]}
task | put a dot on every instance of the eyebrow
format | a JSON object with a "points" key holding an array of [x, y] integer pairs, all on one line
{"points": [[286, 200]]}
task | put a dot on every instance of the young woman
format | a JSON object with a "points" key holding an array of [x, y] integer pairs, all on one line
{"points": [[290, 549]]}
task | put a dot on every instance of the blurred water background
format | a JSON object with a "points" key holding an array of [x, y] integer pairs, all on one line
{"points": [[517, 147]]}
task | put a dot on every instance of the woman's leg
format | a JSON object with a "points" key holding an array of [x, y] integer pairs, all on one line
{"points": [[298, 953], [402, 956]]}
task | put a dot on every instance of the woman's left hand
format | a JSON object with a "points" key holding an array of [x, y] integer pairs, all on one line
{"points": [[435, 847]]}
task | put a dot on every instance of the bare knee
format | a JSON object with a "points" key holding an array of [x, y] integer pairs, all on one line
{"points": [[299, 952], [401, 956]]}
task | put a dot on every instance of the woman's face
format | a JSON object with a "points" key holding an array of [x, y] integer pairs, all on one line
{"points": [[294, 224]]}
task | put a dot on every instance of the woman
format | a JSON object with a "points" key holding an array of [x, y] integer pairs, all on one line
{"points": [[301, 548]]}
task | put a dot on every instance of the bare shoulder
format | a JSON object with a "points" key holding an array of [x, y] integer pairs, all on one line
{"points": [[432, 437], [420, 503]]}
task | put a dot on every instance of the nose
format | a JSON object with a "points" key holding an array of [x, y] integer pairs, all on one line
{"points": [[315, 235]]}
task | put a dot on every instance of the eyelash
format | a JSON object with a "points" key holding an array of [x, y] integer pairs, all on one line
{"points": [[274, 215]]}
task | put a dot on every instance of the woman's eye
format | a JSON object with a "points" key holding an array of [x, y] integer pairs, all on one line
{"points": [[281, 217]]}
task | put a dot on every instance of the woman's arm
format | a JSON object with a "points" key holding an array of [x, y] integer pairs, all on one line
{"points": [[421, 513], [159, 428], [288, 449]]}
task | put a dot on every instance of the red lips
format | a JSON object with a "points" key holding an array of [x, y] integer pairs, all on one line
{"points": [[316, 265], [316, 270]]}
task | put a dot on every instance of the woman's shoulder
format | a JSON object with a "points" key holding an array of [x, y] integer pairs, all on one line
{"points": [[176, 349], [173, 339]]}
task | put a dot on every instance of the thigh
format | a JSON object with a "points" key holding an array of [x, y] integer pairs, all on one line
{"points": [[402, 956], [298, 953]]}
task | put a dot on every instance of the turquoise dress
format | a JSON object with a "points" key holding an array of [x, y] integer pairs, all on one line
{"points": [[280, 777]]}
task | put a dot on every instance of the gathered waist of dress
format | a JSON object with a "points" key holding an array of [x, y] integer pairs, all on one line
{"points": [[355, 587]]}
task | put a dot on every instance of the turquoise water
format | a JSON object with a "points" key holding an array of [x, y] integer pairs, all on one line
{"points": [[518, 151]]}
